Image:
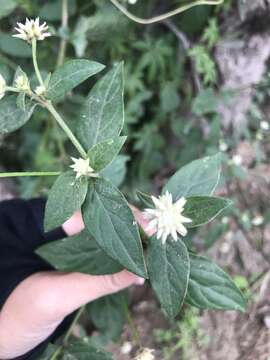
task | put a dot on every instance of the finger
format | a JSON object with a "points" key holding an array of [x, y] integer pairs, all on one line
{"points": [[110, 284], [74, 225]]}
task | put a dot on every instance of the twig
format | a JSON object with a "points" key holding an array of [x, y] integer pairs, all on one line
{"points": [[186, 46], [164, 16]]}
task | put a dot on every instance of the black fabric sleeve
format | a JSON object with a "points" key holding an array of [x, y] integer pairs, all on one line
{"points": [[21, 233]]}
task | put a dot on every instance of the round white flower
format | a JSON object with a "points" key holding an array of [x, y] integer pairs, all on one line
{"points": [[132, 2], [32, 30], [167, 218], [2, 86], [237, 160], [223, 146], [146, 354], [22, 83], [265, 125], [40, 90], [82, 168], [258, 220]]}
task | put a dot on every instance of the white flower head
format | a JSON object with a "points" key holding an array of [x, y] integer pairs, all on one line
{"points": [[132, 2], [32, 29], [237, 160], [167, 218], [40, 90], [82, 168], [2, 86], [22, 83], [265, 125], [258, 220], [145, 354]]}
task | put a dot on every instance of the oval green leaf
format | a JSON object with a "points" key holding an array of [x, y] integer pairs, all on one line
{"points": [[211, 288], [79, 253], [169, 268], [102, 115], [70, 75], [109, 219], [11, 116], [200, 177], [203, 209], [102, 154], [65, 198]]}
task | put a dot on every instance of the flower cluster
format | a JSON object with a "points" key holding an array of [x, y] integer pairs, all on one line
{"points": [[22, 83], [82, 168], [31, 30], [167, 218]]}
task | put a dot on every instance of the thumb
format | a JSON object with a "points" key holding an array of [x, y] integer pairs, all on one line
{"points": [[109, 284]]}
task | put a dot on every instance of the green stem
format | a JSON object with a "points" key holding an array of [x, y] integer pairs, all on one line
{"points": [[166, 15], [56, 353], [23, 174], [34, 56], [133, 328], [66, 129], [68, 334], [74, 322], [63, 44]]}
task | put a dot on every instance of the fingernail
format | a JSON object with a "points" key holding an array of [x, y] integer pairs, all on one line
{"points": [[140, 281]]}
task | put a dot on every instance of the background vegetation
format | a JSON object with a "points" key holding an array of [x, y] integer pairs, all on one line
{"points": [[184, 100]]}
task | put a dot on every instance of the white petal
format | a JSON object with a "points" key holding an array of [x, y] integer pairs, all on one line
{"points": [[181, 229]]}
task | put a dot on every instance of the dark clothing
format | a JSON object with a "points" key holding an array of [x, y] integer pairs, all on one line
{"points": [[21, 232]]}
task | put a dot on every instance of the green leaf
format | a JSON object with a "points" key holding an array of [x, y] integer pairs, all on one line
{"points": [[79, 253], [11, 116], [14, 47], [200, 177], [211, 288], [145, 199], [52, 11], [103, 153], [83, 350], [20, 102], [203, 209], [169, 269], [102, 115], [109, 219], [65, 198], [70, 75], [6, 7], [116, 171], [108, 314]]}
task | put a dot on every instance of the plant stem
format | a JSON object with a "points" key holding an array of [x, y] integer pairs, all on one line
{"points": [[23, 174], [68, 334], [63, 44], [166, 15], [133, 328], [74, 322], [66, 129], [34, 56]]}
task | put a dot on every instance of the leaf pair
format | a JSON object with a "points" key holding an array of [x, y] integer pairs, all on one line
{"points": [[176, 275]]}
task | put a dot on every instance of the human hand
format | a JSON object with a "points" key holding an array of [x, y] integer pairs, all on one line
{"points": [[40, 303]]}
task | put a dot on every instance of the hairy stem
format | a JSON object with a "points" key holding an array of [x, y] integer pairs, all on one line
{"points": [[63, 44], [165, 16], [34, 56], [23, 174], [48, 105]]}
